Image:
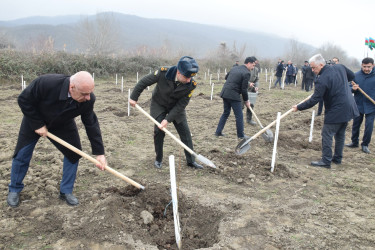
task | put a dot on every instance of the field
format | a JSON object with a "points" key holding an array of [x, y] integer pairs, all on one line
{"points": [[239, 205]]}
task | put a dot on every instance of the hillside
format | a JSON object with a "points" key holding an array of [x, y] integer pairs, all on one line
{"points": [[134, 31]]}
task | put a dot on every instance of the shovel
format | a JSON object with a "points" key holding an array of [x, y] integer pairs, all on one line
{"points": [[268, 135], [244, 145], [364, 93], [200, 158], [112, 171]]}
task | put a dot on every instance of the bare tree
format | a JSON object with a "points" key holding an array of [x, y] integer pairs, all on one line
{"points": [[98, 35], [296, 52]]}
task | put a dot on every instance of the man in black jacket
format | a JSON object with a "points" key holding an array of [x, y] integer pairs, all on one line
{"points": [[331, 86], [172, 93], [50, 103], [236, 84]]}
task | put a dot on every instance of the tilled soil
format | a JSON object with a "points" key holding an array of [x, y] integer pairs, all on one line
{"points": [[239, 205]]}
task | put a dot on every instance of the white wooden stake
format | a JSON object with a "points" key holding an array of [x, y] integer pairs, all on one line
{"points": [[225, 71], [283, 82], [22, 82], [312, 126], [116, 79], [266, 75], [122, 84], [93, 76], [210, 79], [176, 219], [275, 141], [218, 76], [128, 103], [205, 75], [269, 86], [212, 90], [137, 77]]}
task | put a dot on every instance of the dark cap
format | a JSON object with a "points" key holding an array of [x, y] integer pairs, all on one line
{"points": [[188, 66]]}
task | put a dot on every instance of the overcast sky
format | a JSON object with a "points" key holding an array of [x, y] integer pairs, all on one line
{"points": [[345, 23]]}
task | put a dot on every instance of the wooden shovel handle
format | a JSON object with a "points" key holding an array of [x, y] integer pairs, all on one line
{"points": [[93, 160], [165, 130], [274, 122], [364, 93]]}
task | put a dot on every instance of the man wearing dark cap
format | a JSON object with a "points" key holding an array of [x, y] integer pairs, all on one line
{"points": [[236, 84], [172, 93]]}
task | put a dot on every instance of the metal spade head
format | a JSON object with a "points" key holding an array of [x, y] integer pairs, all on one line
{"points": [[268, 136], [243, 146]]}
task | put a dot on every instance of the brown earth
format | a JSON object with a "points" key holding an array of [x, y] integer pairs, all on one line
{"points": [[239, 205]]}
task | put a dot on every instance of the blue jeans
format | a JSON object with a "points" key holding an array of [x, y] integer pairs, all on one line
{"points": [[329, 131], [20, 165], [278, 80], [237, 109], [369, 125]]}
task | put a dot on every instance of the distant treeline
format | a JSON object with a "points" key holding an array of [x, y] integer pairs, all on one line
{"points": [[13, 64]]}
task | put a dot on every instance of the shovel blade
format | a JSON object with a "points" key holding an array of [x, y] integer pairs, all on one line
{"points": [[268, 136], [205, 161], [243, 146]]}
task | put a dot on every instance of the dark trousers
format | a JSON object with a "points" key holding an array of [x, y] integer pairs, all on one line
{"points": [[182, 130], [289, 79], [249, 114], [237, 109], [369, 125], [336, 130], [308, 84], [278, 80], [20, 165]]}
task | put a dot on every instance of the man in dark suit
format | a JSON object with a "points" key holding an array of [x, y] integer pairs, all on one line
{"points": [[237, 81], [331, 87], [50, 103], [172, 93]]}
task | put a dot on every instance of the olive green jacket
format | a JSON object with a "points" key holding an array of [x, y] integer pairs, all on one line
{"points": [[166, 98]]}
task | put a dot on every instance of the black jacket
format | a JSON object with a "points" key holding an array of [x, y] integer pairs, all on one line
{"points": [[279, 70], [169, 96], [237, 81], [309, 74], [45, 102], [332, 86]]}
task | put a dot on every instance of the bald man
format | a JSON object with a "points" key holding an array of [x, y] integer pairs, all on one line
{"points": [[50, 103]]}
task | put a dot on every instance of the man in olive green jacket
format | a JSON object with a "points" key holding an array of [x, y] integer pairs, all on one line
{"points": [[170, 97]]}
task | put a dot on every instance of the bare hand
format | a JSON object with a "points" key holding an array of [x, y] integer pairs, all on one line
{"points": [[251, 84], [42, 131], [247, 103], [163, 124], [132, 102], [102, 160], [355, 86], [295, 109]]}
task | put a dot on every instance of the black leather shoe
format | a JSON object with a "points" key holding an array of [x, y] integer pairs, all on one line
{"points": [[13, 199], [320, 164], [158, 164], [336, 162], [352, 145], [365, 149], [195, 165], [217, 135], [70, 199], [245, 137]]}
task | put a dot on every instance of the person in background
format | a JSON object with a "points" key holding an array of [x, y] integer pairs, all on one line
{"points": [[364, 79], [279, 73], [236, 84], [174, 88], [49, 104], [309, 79], [236, 63], [331, 86], [303, 85], [290, 73]]}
